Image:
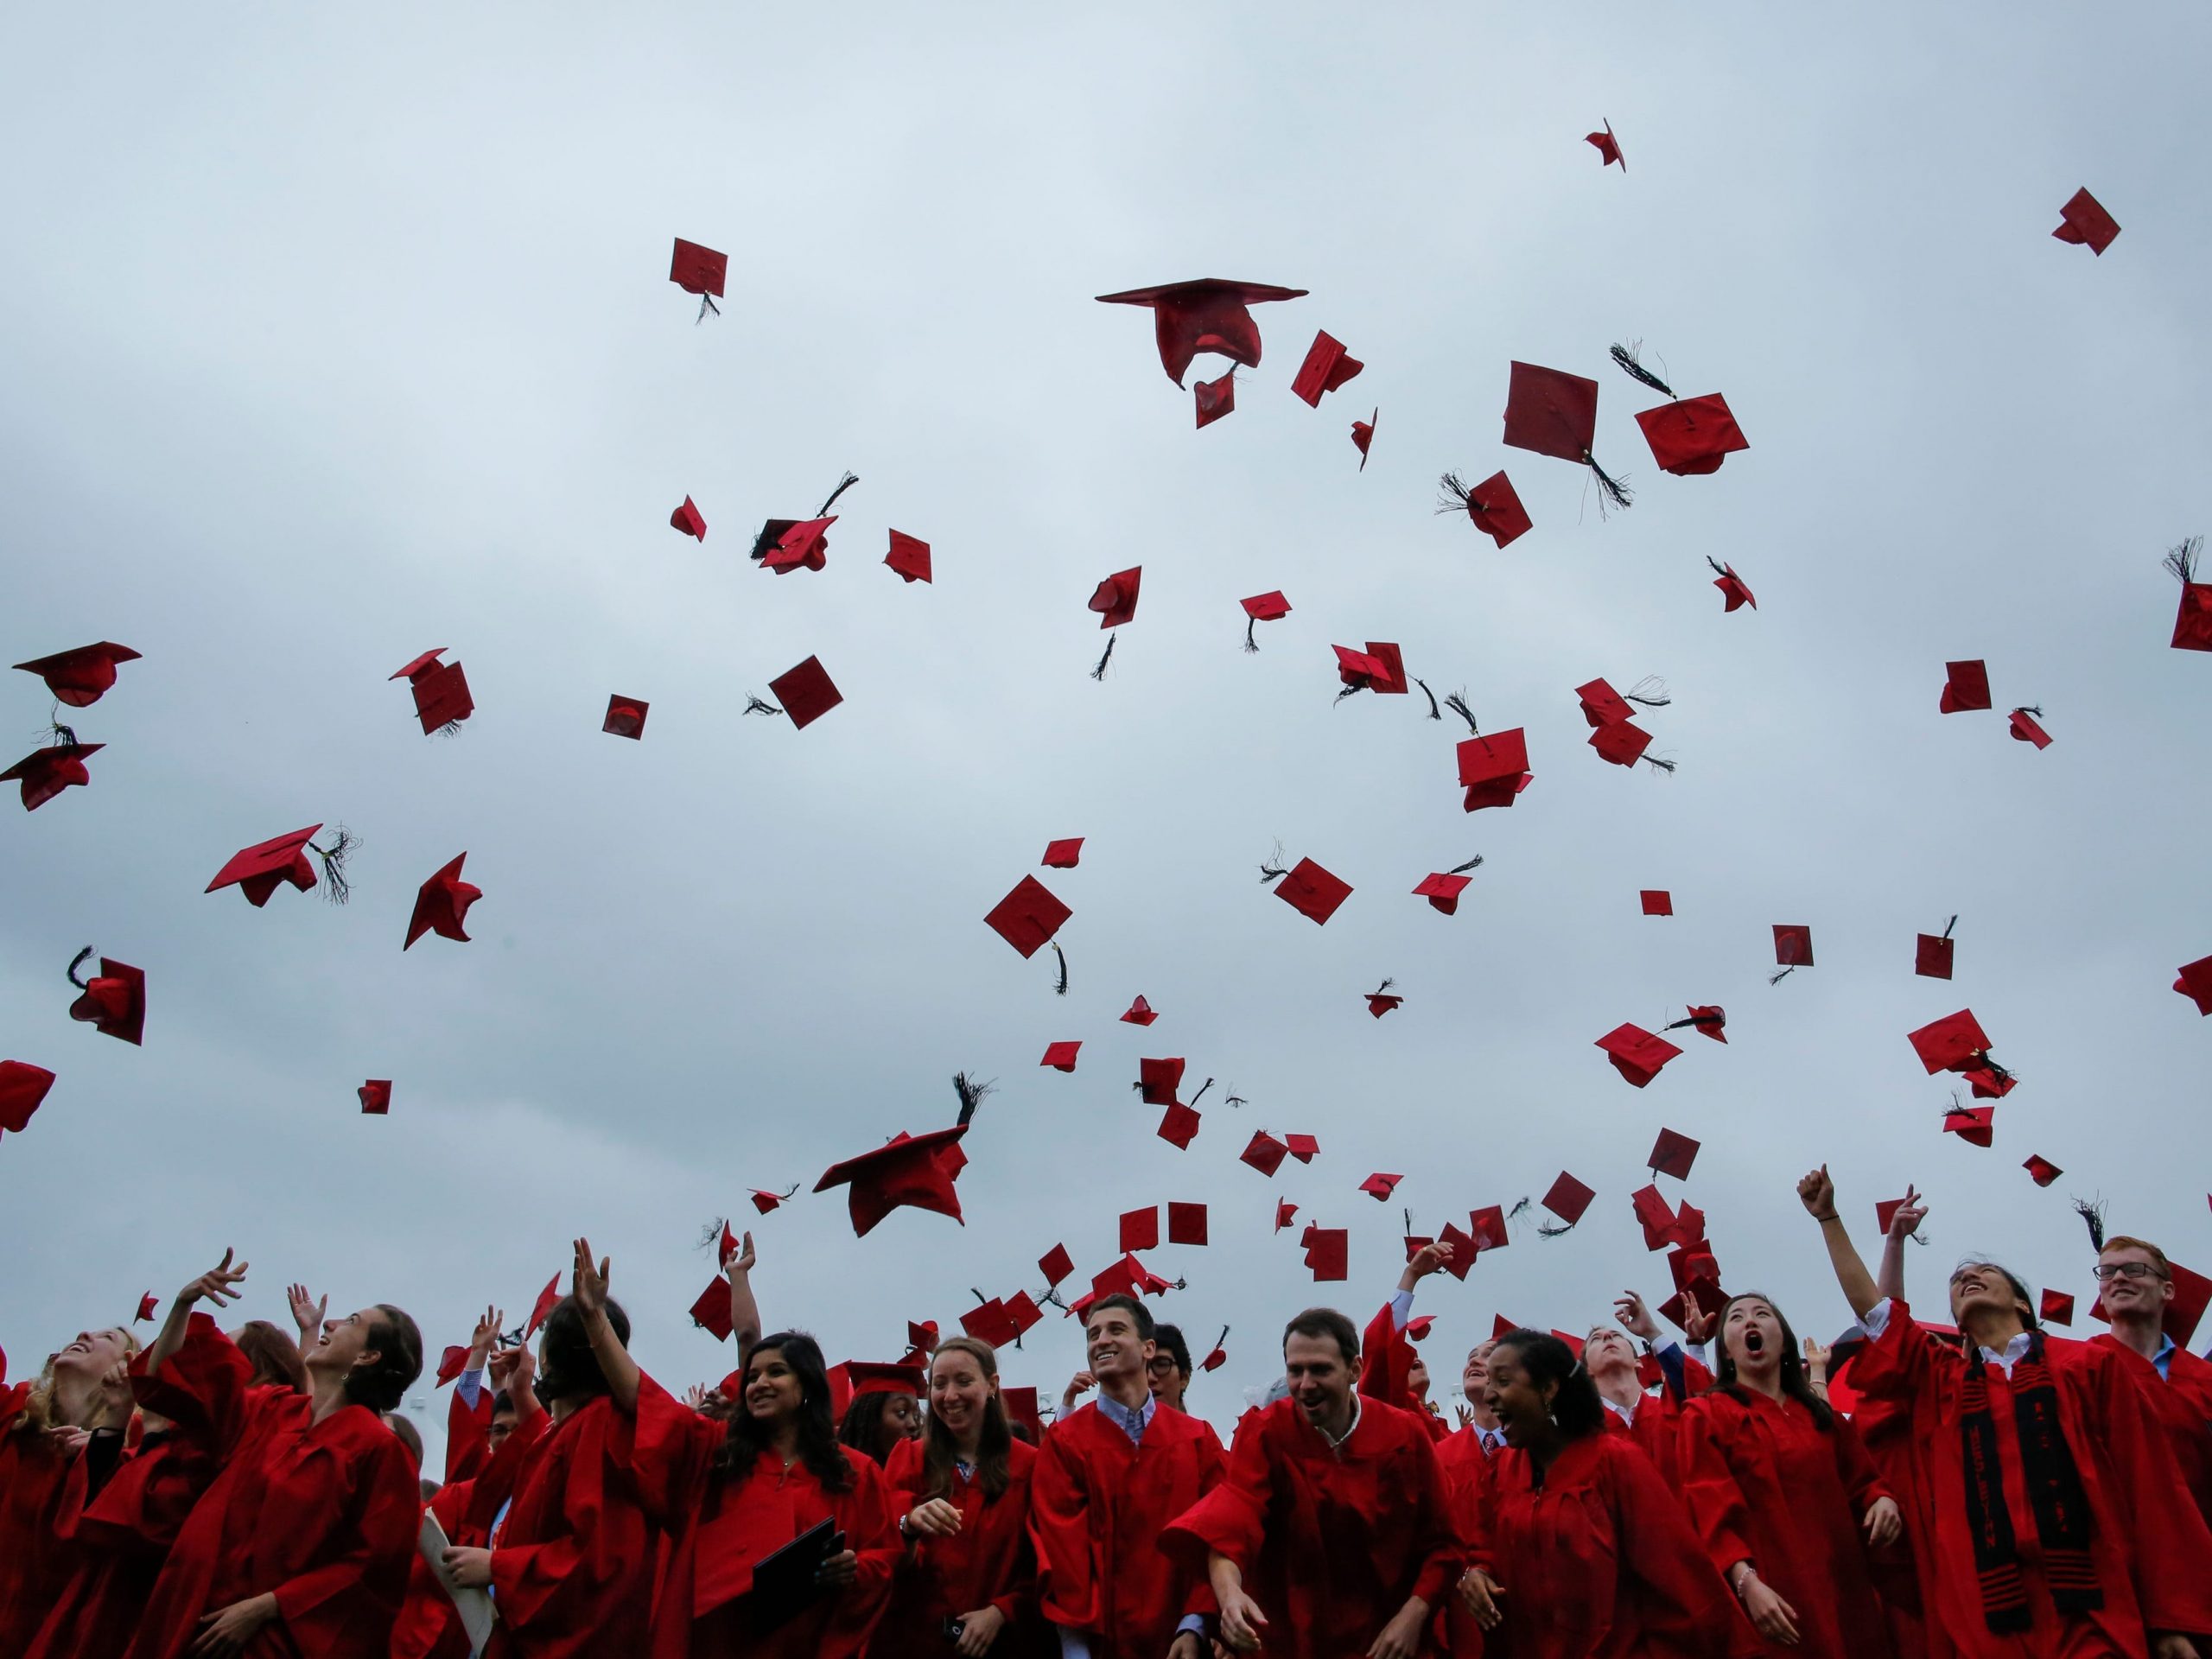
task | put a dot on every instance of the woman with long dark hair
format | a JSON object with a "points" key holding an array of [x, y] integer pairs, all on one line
{"points": [[877, 1423], [302, 1543], [730, 1496], [1581, 1552], [1782, 1494], [963, 1492]]}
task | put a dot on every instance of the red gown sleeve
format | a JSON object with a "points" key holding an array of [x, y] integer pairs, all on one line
{"points": [[1901, 1365], [1386, 1362], [1443, 1558], [494, 1485], [1059, 1526], [600, 1540], [2171, 1552], [668, 1448], [468, 1435], [1862, 1482], [1231, 1520], [201, 1387], [1683, 1608], [867, 1516], [1716, 1504], [365, 1581]]}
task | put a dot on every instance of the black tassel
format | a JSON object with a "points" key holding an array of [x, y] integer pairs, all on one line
{"points": [[711, 1234], [2181, 560], [1221, 1341], [1650, 691], [511, 1339], [755, 706], [1099, 672], [1547, 1229], [1061, 989], [843, 484], [791, 1192], [2029, 709], [1274, 870], [2093, 1217], [1433, 712], [1383, 988], [1514, 1214], [1608, 487], [971, 1095], [1658, 763], [1949, 925], [1201, 1095], [1776, 979], [1250, 644], [1472, 864], [706, 304], [1349, 691], [1717, 569], [1626, 357], [1233, 1098], [65, 737], [1454, 499], [1457, 703], [335, 887], [75, 961], [451, 728]]}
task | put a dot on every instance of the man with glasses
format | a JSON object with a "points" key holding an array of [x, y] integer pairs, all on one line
{"points": [[2136, 1288], [1168, 1371]]}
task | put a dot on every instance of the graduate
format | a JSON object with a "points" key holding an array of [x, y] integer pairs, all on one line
{"points": [[1782, 1494], [1333, 1533], [1109, 1478], [1581, 1551], [1390, 1368], [36, 1453], [1479, 1432], [301, 1544], [730, 1495], [2060, 1527], [967, 1579], [2135, 1288], [1168, 1372], [879, 1420]]}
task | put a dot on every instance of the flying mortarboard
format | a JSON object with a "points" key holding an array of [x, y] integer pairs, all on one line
{"points": [[1264, 1153], [441, 905], [1060, 1056], [22, 1090], [1309, 890], [1461, 1261], [1793, 948], [1286, 1212], [1304, 1147], [1379, 1186], [2193, 622], [1262, 608], [1554, 413], [1178, 1126], [1116, 598], [805, 543], [991, 1322], [1709, 1020], [1493, 505], [2196, 983], [1380, 669], [44, 773], [1056, 1264], [441, 696], [1327, 366], [451, 1364], [1186, 1223], [1692, 435], [773, 530], [376, 1097], [1655, 1215], [1205, 315], [1211, 399], [1157, 1081], [1608, 147], [909, 557], [2025, 729], [257, 871], [1362, 434], [805, 692], [1932, 953], [1733, 593], [1486, 1229], [77, 677], [1568, 1200], [2056, 1307], [710, 1313], [1328, 1253], [766, 1202], [2084, 222], [910, 1171], [700, 270], [1442, 888], [1975, 1125], [1637, 1054], [1380, 1002], [1063, 855], [113, 1002], [1672, 1154], [2041, 1171], [688, 519], [1140, 1012], [1217, 1355], [625, 716], [1656, 901], [1141, 1228], [548, 1299], [1966, 686], [1954, 1043]]}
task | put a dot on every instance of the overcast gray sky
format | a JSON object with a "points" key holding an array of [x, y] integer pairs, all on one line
{"points": [[328, 339]]}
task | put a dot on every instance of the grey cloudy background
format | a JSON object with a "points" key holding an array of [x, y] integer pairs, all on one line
{"points": [[331, 336]]}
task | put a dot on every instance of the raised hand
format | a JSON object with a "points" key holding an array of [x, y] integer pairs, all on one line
{"points": [[485, 1333], [218, 1285], [1697, 1325], [1426, 1260], [1465, 1414], [1817, 1193], [1816, 1361], [1909, 1214], [307, 1311], [589, 1285], [1634, 1318], [742, 1263], [1078, 1385]]}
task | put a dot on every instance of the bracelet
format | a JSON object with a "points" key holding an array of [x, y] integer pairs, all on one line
{"points": [[1831, 1216]]}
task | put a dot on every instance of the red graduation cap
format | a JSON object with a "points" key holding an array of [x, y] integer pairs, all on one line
{"points": [[710, 1313], [1326, 367], [1122, 1278], [1304, 1147], [147, 1303], [806, 543], [1211, 399], [1380, 668], [22, 1091], [1608, 147], [1975, 1125], [1021, 1408], [700, 270], [2084, 222], [1884, 1211], [1186, 1223], [77, 677], [1793, 944], [1733, 593], [44, 773], [806, 692], [1655, 1215], [1621, 741], [1286, 1212], [1379, 1187], [1954, 1043], [376, 1097], [548, 1299], [1932, 953], [1061, 1056], [1141, 1228], [1312, 891], [909, 557], [1493, 505], [866, 1376], [921, 1337], [1494, 764], [2193, 622], [113, 1001], [441, 696], [766, 1203], [2192, 1294], [257, 870], [1501, 1327], [1419, 1329], [2041, 1171], [451, 1364], [1380, 1002], [441, 905], [909, 1170], [1362, 434], [1602, 706], [1637, 1054], [1328, 1253], [1264, 1153], [1966, 686], [1568, 1198], [1056, 1264], [1442, 891], [1219, 1356], [688, 519], [1158, 1080], [2196, 983], [1028, 918], [1116, 598], [2025, 730], [1206, 316], [1463, 1250], [1657, 901], [1692, 435], [1416, 1244], [1178, 1126], [991, 1322], [1709, 1020], [1486, 1229], [2056, 1307], [1063, 855], [1262, 608], [625, 716], [1140, 1012], [1554, 413], [1672, 1154]]}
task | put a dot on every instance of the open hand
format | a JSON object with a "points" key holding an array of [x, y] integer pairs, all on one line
{"points": [[588, 1286], [218, 1285], [1634, 1318], [1481, 1593], [1909, 1214]]}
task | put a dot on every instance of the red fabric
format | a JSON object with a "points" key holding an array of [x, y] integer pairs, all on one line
{"points": [[468, 1432], [1466, 1467], [429, 1625], [573, 1571], [1656, 1431], [717, 1531], [2149, 1545], [1098, 1504], [1763, 1484], [990, 1562], [2182, 1400], [1332, 1541], [322, 1514], [1599, 1562], [33, 1563]]}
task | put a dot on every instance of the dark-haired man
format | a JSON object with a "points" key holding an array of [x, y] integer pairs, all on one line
{"points": [[1333, 1533], [1109, 1476]]}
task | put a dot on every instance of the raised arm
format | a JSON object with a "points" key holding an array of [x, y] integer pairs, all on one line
{"points": [[1904, 1222], [589, 1289], [1818, 1193], [307, 1314], [220, 1286], [744, 1312]]}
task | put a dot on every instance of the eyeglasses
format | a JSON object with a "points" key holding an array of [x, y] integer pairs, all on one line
{"points": [[1159, 1364], [2125, 1270]]}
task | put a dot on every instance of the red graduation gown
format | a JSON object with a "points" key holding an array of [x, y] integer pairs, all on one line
{"points": [[572, 1570], [1600, 1561], [1097, 1505], [34, 1562], [2183, 1402], [1386, 1364], [1332, 1541], [323, 1515], [988, 1562], [1658, 1431], [2150, 1551], [1765, 1483], [429, 1625], [719, 1530], [1466, 1467]]}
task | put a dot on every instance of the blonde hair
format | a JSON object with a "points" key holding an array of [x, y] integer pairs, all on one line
{"points": [[37, 1414]]}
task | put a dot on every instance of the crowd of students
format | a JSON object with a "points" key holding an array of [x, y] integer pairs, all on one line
{"points": [[1925, 1489]]}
